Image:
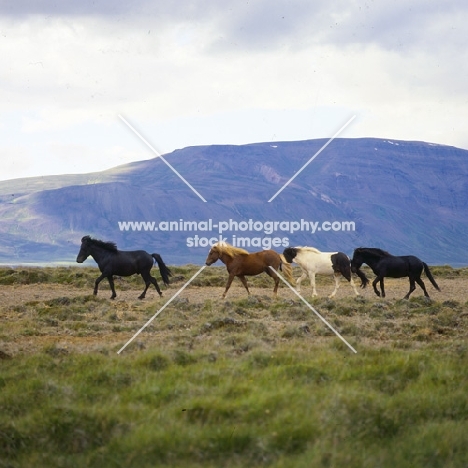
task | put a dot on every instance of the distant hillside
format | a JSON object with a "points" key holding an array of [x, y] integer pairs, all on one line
{"points": [[405, 197]]}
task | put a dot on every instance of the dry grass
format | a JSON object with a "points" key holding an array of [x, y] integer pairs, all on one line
{"points": [[247, 381], [68, 316]]}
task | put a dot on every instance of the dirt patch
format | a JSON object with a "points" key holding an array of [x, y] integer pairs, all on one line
{"points": [[62, 317], [451, 289]]}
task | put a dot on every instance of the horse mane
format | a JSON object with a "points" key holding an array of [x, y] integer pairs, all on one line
{"points": [[110, 246], [230, 250], [374, 251], [309, 249]]}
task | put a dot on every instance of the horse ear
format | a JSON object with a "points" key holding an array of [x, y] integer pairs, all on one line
{"points": [[85, 239]]}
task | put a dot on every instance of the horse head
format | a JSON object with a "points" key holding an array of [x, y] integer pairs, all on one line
{"points": [[213, 255], [356, 263], [85, 251], [357, 260], [290, 254]]}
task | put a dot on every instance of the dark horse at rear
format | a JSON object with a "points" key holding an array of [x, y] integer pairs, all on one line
{"points": [[384, 265], [112, 261]]}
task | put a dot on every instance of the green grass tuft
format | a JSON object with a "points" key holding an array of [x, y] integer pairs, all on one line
{"points": [[244, 382]]}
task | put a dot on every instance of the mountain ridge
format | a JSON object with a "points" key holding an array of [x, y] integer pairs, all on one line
{"points": [[404, 196]]}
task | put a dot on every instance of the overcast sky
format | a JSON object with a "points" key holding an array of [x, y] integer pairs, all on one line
{"points": [[208, 72]]}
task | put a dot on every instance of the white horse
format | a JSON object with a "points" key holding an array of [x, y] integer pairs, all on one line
{"points": [[313, 262]]}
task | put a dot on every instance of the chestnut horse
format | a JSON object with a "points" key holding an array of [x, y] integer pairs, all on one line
{"points": [[241, 263]]}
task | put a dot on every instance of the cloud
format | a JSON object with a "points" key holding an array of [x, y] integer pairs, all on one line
{"points": [[201, 71], [112, 10], [22, 8], [269, 24]]}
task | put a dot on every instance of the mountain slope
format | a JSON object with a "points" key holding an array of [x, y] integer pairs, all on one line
{"points": [[405, 197]]}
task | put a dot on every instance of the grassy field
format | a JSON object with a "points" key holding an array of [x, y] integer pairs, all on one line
{"points": [[244, 382]]}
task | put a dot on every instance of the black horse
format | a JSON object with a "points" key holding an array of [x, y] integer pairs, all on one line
{"points": [[384, 265], [122, 263]]}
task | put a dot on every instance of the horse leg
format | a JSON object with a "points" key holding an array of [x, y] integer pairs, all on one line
{"points": [[274, 275], [351, 282], [228, 285], [96, 283], [275, 289], [299, 280], [412, 288], [382, 287], [312, 282], [156, 285], [422, 285], [244, 282], [143, 294], [374, 285], [146, 279], [151, 280], [337, 285], [110, 278]]}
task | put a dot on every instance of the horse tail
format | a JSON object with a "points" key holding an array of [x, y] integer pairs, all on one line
{"points": [[286, 268], [430, 277], [341, 264], [163, 269]]}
